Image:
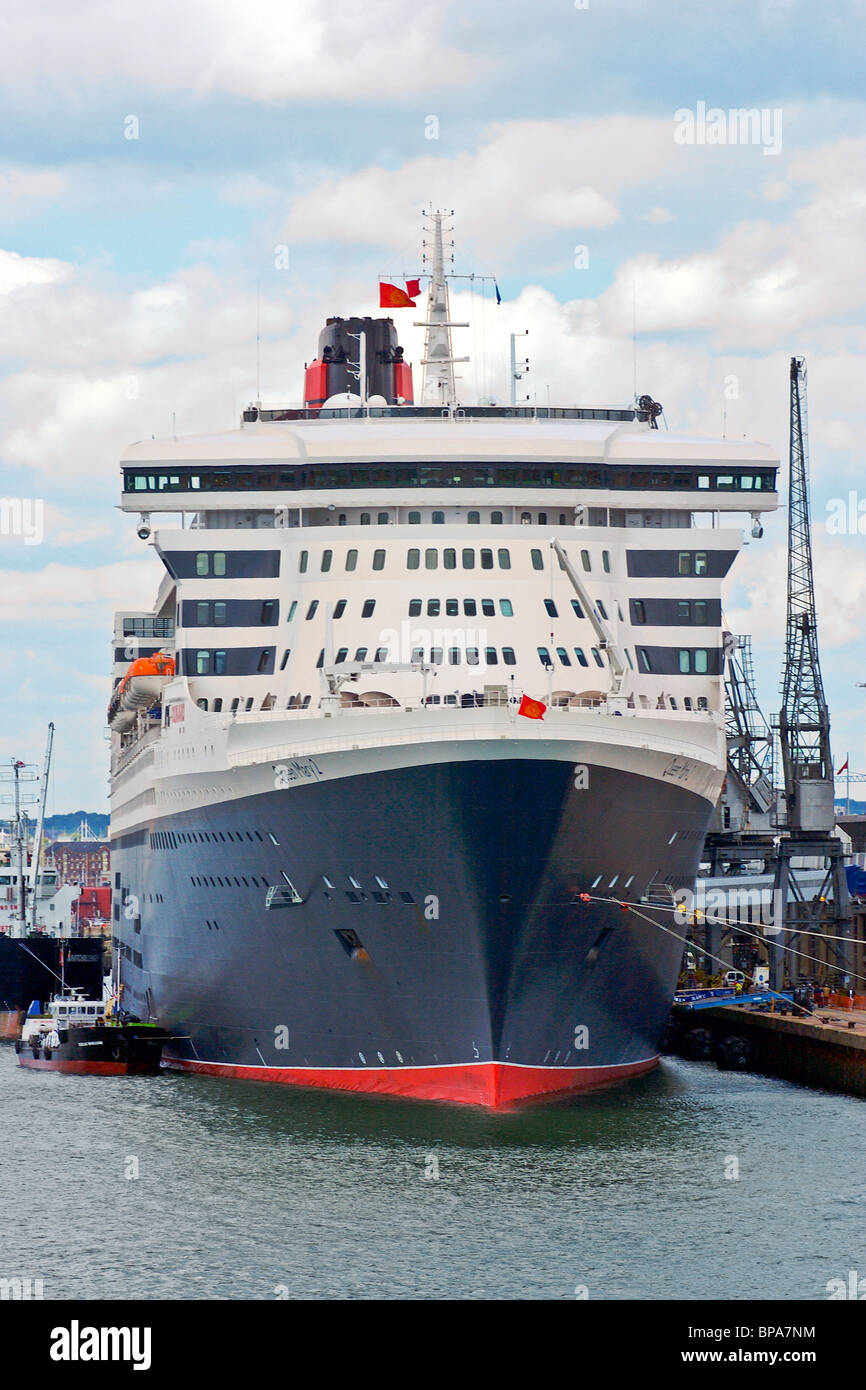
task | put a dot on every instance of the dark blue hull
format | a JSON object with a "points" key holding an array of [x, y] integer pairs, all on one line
{"points": [[439, 942]]}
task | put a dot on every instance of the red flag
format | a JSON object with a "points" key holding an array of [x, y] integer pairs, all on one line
{"points": [[843, 768], [531, 709], [392, 297], [413, 288]]}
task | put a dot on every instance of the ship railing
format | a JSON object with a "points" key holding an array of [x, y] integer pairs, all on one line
{"points": [[468, 700]]}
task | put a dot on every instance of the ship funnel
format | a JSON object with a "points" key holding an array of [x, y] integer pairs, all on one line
{"points": [[336, 369]]}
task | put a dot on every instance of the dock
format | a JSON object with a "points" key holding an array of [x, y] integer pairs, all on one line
{"points": [[825, 1050]]}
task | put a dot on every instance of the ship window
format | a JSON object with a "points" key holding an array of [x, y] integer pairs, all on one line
{"points": [[452, 607], [431, 559], [434, 607], [644, 659], [597, 656], [414, 608], [687, 704], [628, 659], [413, 559], [639, 610], [701, 662], [202, 704], [504, 557], [702, 702], [341, 655], [525, 518], [303, 561], [202, 565], [472, 656], [235, 704], [537, 561], [684, 610], [473, 518], [264, 657], [490, 656], [544, 656], [414, 518], [219, 663], [361, 654], [449, 559], [685, 562], [202, 663], [436, 656], [508, 656], [327, 557], [562, 520], [319, 663], [470, 608], [292, 610], [438, 518], [581, 657], [600, 606], [365, 518], [488, 608], [382, 518], [469, 559], [351, 560], [249, 704], [417, 654], [685, 659], [286, 654], [266, 614], [453, 656], [496, 518], [585, 561], [551, 608], [311, 611], [378, 559], [341, 519], [367, 610], [381, 654], [563, 656], [542, 518], [487, 559], [339, 608], [605, 561], [700, 612], [505, 608], [202, 614], [220, 611], [701, 562]]}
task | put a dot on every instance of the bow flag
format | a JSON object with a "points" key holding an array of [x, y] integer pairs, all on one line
{"points": [[392, 297], [531, 709]]}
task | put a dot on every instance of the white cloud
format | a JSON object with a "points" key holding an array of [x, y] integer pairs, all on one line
{"points": [[20, 272], [658, 216], [273, 51], [79, 596]]}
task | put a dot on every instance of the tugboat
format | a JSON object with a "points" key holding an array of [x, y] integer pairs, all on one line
{"points": [[88, 1036]]}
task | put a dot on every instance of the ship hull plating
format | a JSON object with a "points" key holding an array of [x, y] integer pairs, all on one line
{"points": [[439, 949]]}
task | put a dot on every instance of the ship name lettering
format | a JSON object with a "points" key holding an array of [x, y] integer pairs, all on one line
{"points": [[297, 770]]}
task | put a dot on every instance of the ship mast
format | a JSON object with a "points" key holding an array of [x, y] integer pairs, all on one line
{"points": [[438, 360]]}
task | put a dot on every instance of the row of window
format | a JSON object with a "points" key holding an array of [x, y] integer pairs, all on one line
{"points": [[173, 839], [452, 607], [148, 627], [245, 479], [691, 661], [413, 559], [693, 612], [473, 518]]}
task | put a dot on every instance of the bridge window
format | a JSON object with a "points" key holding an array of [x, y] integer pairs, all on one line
{"points": [[473, 518], [701, 562], [504, 557], [413, 559], [684, 610], [431, 559], [701, 617], [202, 663], [468, 559], [685, 662], [414, 518], [701, 662], [382, 518], [449, 559], [438, 518], [496, 518], [219, 663], [487, 559], [351, 560], [365, 518], [537, 561], [378, 559], [327, 556], [265, 617], [264, 658], [202, 614], [585, 560], [202, 564]]}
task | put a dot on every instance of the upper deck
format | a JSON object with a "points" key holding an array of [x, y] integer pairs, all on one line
{"points": [[281, 456]]}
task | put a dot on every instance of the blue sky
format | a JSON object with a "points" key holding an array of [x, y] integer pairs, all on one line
{"points": [[129, 268]]}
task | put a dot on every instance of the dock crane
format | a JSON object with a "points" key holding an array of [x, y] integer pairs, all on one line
{"points": [[808, 820]]}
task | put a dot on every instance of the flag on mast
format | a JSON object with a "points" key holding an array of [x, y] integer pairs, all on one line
{"points": [[392, 297], [843, 768]]}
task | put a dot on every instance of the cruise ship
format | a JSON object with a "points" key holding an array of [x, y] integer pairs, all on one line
{"points": [[424, 729]]}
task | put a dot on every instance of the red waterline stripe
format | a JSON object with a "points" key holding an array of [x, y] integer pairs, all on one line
{"points": [[491, 1084], [94, 1068]]}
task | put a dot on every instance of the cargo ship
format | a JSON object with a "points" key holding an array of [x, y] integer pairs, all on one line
{"points": [[430, 730]]}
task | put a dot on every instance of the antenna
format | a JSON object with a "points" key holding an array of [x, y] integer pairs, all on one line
{"points": [[258, 344]]}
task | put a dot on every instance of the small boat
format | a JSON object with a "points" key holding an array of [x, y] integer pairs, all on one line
{"points": [[86, 1036], [140, 689]]}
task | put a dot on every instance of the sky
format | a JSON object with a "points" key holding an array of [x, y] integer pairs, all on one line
{"points": [[172, 173]]}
